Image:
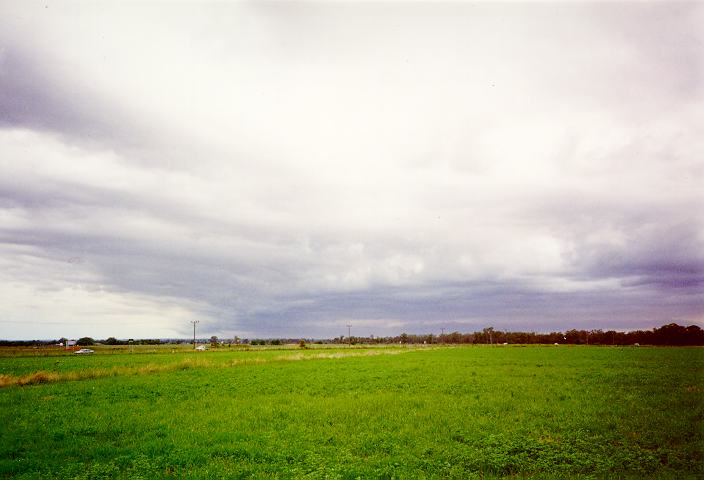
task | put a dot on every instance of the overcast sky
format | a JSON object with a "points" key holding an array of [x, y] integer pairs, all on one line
{"points": [[286, 169]]}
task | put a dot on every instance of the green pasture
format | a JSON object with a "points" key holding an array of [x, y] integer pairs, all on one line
{"points": [[26, 360], [462, 412]]}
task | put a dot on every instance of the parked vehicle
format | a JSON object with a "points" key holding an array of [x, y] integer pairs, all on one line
{"points": [[84, 351]]}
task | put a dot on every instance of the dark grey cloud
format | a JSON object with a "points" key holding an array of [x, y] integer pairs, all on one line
{"points": [[470, 307], [665, 256], [35, 97]]}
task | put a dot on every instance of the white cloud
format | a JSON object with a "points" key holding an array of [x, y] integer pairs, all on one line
{"points": [[75, 311], [245, 161]]}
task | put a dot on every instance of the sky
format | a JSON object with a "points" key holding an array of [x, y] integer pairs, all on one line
{"points": [[286, 169]]}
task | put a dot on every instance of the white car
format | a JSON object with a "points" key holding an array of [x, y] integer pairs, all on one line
{"points": [[84, 351]]}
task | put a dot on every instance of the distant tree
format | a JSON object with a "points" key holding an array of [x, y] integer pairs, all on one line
{"points": [[111, 341], [673, 334], [695, 335], [85, 341], [489, 334], [572, 336], [214, 341], [302, 343]]}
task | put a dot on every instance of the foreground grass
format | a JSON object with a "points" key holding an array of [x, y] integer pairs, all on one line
{"points": [[446, 413]]}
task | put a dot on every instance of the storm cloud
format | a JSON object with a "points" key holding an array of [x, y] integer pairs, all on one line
{"points": [[288, 168]]}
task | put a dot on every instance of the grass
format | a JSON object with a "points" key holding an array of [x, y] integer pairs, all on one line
{"points": [[73, 370], [471, 412]]}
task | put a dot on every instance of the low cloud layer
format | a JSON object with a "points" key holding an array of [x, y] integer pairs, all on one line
{"points": [[286, 169]]}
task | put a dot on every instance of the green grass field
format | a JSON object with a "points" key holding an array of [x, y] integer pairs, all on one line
{"points": [[466, 412]]}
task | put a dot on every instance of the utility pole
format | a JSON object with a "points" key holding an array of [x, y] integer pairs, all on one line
{"points": [[442, 335], [194, 332], [349, 335]]}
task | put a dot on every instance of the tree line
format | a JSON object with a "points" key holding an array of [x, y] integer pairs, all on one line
{"points": [[670, 334]]}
